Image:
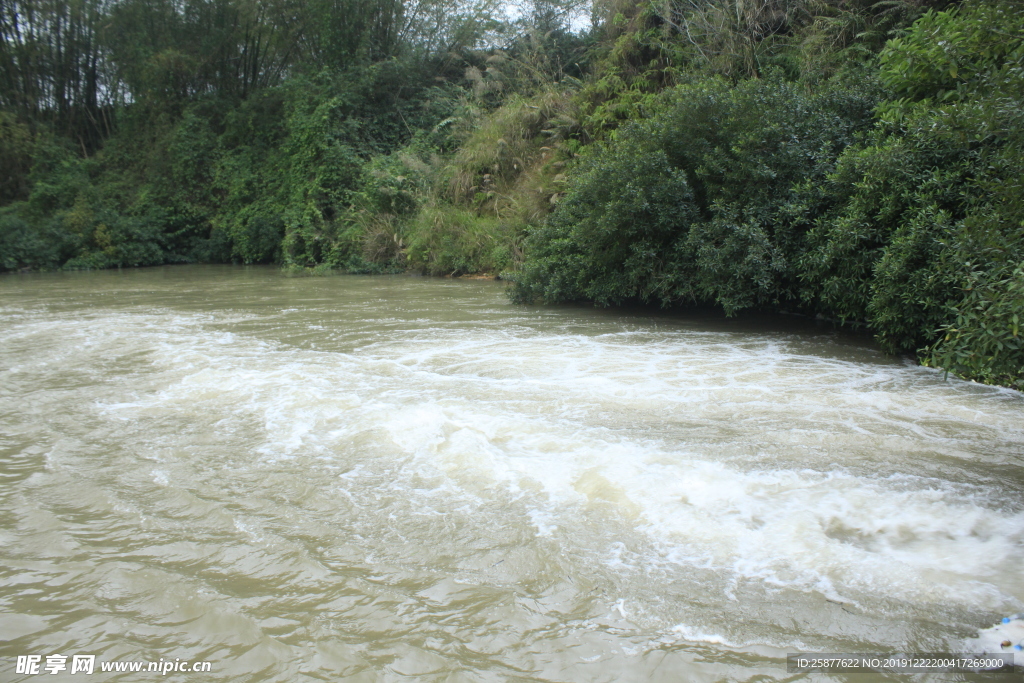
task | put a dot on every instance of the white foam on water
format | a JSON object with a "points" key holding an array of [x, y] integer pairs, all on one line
{"points": [[747, 457], [562, 425]]}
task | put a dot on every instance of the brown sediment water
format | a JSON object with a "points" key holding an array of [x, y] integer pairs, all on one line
{"points": [[399, 478]]}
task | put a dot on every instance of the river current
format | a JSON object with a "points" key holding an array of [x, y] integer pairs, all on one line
{"points": [[398, 478]]}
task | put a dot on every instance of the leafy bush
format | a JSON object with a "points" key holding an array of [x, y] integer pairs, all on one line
{"points": [[708, 201], [908, 217], [609, 238], [986, 340], [25, 245], [961, 75], [118, 241], [882, 255]]}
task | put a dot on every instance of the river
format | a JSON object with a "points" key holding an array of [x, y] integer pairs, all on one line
{"points": [[400, 478]]}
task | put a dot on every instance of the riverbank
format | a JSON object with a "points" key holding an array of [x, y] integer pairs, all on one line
{"points": [[660, 155]]}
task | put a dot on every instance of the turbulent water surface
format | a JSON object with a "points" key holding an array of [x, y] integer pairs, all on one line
{"points": [[388, 478]]}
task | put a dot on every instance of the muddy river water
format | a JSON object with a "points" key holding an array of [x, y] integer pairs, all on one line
{"points": [[399, 478]]}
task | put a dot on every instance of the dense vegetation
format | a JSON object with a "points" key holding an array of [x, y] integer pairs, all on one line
{"points": [[861, 160]]}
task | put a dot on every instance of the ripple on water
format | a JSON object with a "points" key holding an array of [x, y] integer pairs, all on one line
{"points": [[410, 487]]}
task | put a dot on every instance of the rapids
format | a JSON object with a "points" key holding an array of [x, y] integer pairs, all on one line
{"points": [[390, 477]]}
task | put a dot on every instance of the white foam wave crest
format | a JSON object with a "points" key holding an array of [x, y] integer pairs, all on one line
{"points": [[843, 477]]}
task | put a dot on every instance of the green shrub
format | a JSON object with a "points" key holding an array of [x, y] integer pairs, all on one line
{"points": [[39, 245], [960, 75], [613, 237], [985, 342], [708, 201], [882, 254], [119, 241]]}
